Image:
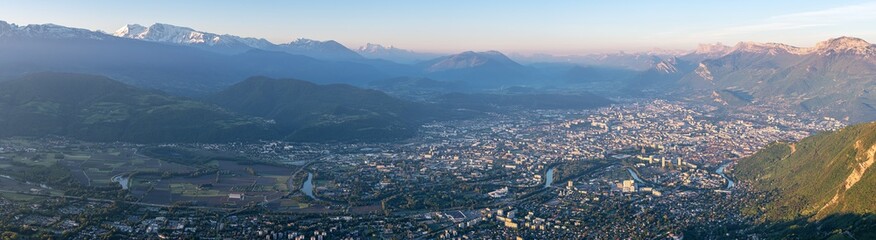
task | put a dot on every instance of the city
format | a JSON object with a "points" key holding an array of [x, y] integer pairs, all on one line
{"points": [[456, 120], [644, 168]]}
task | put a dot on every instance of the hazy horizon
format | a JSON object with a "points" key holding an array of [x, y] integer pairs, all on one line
{"points": [[602, 120], [557, 28]]}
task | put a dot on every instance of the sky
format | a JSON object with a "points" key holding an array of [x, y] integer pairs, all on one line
{"points": [[557, 27]]}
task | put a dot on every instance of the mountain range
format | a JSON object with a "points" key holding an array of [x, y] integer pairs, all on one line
{"points": [[833, 78], [168, 67], [189, 62], [97, 108], [377, 51], [230, 44]]}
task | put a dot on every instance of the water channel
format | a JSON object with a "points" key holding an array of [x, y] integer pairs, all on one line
{"points": [[549, 178], [307, 188], [720, 171], [635, 176]]}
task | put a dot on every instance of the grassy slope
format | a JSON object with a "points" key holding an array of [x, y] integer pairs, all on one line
{"points": [[807, 179]]}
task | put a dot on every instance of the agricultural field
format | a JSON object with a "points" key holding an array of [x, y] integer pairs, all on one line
{"points": [[215, 186], [211, 179]]}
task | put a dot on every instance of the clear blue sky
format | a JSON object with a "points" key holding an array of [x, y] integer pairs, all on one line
{"points": [[558, 27]]}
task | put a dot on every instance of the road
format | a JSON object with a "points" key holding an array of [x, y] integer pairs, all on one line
{"points": [[116, 201]]}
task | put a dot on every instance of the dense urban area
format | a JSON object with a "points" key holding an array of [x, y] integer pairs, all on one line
{"points": [[456, 120], [639, 169]]}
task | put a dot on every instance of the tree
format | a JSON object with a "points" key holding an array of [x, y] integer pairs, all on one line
{"points": [[7, 235]]}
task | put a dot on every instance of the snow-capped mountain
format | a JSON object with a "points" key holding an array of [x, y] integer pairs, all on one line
{"points": [[372, 48], [166, 33], [377, 51], [170, 67], [48, 31], [225, 43]]}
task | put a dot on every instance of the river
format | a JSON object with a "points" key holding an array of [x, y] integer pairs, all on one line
{"points": [[307, 188], [549, 178], [634, 175], [720, 171]]}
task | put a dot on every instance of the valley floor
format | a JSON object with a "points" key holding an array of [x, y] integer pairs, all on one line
{"points": [[642, 168]]}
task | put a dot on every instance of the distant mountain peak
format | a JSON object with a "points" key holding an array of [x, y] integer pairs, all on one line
{"points": [[377, 48], [373, 47], [130, 29], [392, 53], [668, 65], [5, 27], [306, 42], [469, 59], [491, 53], [497, 55], [225, 43], [845, 44], [716, 49], [664, 52], [834, 45], [329, 49], [166, 33], [768, 48], [48, 31]]}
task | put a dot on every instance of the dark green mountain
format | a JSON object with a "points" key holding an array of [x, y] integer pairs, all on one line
{"points": [[823, 175], [100, 109], [307, 111]]}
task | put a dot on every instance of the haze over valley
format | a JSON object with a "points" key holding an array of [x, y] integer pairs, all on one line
{"points": [[163, 130]]}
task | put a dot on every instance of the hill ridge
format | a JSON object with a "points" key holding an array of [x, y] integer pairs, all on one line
{"points": [[824, 174]]}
